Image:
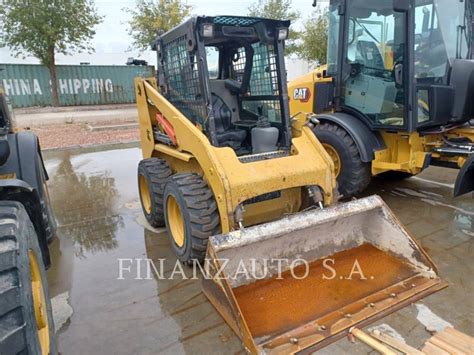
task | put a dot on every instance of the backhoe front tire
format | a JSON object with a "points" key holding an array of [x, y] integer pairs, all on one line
{"points": [[353, 175], [26, 322], [153, 173], [191, 216]]}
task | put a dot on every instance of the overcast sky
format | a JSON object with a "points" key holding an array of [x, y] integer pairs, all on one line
{"points": [[112, 41], [112, 34]]}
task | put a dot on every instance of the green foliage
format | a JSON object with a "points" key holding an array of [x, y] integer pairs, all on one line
{"points": [[45, 27], [274, 9], [278, 10], [314, 38], [150, 18]]}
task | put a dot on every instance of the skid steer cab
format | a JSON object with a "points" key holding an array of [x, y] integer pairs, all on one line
{"points": [[230, 176], [396, 95]]}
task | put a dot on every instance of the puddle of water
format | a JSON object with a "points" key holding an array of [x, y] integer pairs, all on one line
{"points": [[433, 183], [438, 203], [95, 199], [410, 192], [133, 205], [469, 233], [434, 194]]}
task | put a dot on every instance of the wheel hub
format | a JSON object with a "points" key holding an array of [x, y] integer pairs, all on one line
{"points": [[145, 194], [334, 157], [39, 305], [175, 220]]}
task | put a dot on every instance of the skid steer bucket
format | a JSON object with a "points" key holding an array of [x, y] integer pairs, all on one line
{"points": [[302, 281]]}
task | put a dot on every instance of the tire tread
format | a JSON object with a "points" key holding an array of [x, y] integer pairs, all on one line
{"points": [[158, 172], [202, 209], [12, 321], [360, 175]]}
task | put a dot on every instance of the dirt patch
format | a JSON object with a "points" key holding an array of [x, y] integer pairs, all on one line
{"points": [[78, 135]]}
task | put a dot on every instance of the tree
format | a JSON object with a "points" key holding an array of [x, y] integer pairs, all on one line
{"points": [[278, 10], [314, 38], [150, 18], [44, 28]]}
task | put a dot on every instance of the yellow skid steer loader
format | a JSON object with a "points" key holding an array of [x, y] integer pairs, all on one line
{"points": [[252, 194]]}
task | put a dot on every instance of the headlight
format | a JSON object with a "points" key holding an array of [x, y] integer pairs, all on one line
{"points": [[282, 34], [208, 30]]}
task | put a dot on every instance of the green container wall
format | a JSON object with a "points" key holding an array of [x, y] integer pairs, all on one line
{"points": [[29, 85]]}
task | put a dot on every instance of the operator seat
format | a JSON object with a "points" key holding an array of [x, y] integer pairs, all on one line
{"points": [[227, 135], [370, 54]]}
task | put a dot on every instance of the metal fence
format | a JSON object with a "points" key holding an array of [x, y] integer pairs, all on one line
{"points": [[30, 85]]}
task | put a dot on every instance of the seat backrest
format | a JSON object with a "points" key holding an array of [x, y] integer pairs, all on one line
{"points": [[222, 114], [371, 54], [225, 106]]}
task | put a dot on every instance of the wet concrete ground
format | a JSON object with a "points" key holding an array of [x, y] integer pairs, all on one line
{"points": [[95, 197]]}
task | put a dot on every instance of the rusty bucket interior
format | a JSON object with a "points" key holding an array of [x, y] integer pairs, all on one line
{"points": [[302, 281]]}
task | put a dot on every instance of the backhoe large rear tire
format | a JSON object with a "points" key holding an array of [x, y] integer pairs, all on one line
{"points": [[353, 175], [153, 173], [191, 216], [26, 322]]}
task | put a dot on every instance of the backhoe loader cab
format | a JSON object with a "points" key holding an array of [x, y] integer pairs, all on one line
{"points": [[397, 88], [231, 81], [236, 185]]}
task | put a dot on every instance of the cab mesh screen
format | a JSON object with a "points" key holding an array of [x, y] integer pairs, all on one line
{"points": [[181, 72], [235, 21], [263, 94]]}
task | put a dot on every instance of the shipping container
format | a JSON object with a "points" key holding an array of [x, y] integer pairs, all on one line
{"points": [[30, 85]]}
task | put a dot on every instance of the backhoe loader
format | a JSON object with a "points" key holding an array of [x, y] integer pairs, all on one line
{"points": [[240, 186], [396, 95]]}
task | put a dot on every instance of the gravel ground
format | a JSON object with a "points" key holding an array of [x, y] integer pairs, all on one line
{"points": [[77, 135]]}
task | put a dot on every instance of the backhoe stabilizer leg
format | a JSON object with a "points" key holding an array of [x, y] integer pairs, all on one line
{"points": [[465, 180]]}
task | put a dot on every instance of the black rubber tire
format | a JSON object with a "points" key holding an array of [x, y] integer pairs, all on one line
{"points": [[355, 175], [156, 173], [394, 175], [18, 328], [49, 221], [199, 212]]}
